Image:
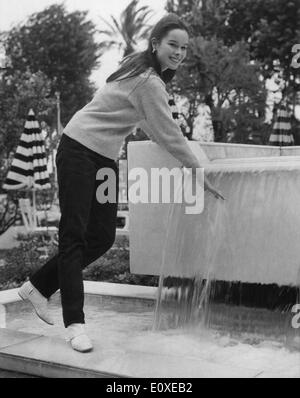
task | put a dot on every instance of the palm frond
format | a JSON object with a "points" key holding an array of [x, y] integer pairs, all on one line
{"points": [[131, 27], [105, 32], [110, 26], [117, 25]]}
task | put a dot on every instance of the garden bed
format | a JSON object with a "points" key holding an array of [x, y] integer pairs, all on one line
{"points": [[19, 263]]}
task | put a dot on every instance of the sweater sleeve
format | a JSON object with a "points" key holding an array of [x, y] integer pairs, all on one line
{"points": [[151, 101], [144, 126]]}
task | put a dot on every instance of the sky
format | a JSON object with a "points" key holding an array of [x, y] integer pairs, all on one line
{"points": [[15, 11]]}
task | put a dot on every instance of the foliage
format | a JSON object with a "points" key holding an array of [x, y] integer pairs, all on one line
{"points": [[129, 30], [270, 26], [9, 214], [204, 18], [62, 46], [18, 93], [225, 79], [22, 261], [269, 29], [114, 267]]}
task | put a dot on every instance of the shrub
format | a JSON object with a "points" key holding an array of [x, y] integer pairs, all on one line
{"points": [[114, 267], [32, 253], [24, 260]]}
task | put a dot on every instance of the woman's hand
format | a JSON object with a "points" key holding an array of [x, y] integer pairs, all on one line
{"points": [[208, 187]]}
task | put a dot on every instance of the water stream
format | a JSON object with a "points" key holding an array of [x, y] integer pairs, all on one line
{"points": [[198, 301]]}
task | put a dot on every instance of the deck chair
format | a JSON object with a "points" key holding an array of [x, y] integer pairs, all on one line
{"points": [[30, 219]]}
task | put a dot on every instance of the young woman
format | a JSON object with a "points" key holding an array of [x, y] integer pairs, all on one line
{"points": [[134, 94]]}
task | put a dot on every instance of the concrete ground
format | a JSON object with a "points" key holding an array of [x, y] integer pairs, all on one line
{"points": [[4, 374]]}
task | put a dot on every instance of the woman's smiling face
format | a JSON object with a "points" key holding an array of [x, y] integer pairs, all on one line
{"points": [[172, 49]]}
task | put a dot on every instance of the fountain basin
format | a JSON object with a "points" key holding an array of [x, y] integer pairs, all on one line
{"points": [[119, 319], [252, 237]]}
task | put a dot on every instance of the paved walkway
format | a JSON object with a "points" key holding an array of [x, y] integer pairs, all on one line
{"points": [[4, 374]]}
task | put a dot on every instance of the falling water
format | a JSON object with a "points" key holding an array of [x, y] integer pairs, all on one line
{"points": [[191, 299]]}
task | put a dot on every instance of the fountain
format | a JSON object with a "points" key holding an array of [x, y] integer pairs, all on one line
{"points": [[261, 217], [207, 322], [250, 241]]}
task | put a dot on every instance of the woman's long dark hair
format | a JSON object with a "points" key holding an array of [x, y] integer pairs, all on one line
{"points": [[137, 63]]}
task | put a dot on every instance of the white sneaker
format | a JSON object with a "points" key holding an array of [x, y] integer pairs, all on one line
{"points": [[78, 338], [38, 301]]}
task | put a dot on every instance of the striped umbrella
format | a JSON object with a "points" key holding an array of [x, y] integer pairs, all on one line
{"points": [[281, 134], [29, 166]]}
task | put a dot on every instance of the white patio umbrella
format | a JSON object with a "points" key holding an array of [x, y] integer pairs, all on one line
{"points": [[29, 167]]}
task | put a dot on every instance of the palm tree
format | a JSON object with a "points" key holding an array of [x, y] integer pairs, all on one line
{"points": [[129, 30]]}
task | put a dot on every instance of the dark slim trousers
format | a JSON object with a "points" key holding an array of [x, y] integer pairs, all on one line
{"points": [[86, 230]]}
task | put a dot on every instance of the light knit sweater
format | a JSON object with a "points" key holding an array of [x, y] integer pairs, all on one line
{"points": [[103, 124]]}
